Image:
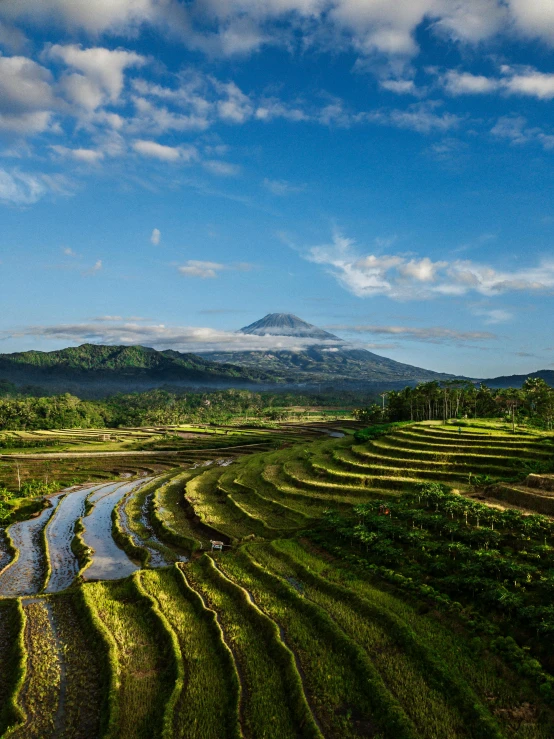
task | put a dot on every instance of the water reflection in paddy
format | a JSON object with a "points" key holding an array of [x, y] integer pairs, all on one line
{"points": [[109, 562], [59, 534], [24, 576]]}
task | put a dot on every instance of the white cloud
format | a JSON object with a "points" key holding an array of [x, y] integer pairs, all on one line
{"points": [[370, 27], [12, 39], [513, 128], [102, 15], [533, 19], [100, 72], [155, 236], [68, 251], [421, 117], [24, 85], [88, 156], [204, 270], [26, 96], [21, 188], [528, 81], [223, 169], [430, 334], [522, 80], [400, 278], [517, 132], [95, 269], [493, 315], [465, 83], [165, 153], [400, 87], [210, 270], [160, 336], [282, 187]]}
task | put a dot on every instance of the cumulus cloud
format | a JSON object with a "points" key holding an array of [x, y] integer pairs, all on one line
{"points": [[26, 95], [87, 156], [512, 80], [102, 15], [205, 270], [155, 236], [403, 278], [369, 27], [165, 153], [99, 75]]}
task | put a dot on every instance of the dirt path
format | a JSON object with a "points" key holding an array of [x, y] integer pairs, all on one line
{"points": [[23, 576]]}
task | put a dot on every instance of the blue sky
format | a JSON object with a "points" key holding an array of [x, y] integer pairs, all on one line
{"points": [[171, 171]]}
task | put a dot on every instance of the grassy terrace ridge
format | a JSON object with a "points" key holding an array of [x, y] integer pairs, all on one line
{"points": [[359, 593]]}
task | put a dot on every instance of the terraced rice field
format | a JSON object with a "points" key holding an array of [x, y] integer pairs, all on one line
{"points": [[286, 632]]}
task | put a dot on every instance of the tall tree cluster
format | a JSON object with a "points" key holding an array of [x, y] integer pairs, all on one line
{"points": [[533, 404]]}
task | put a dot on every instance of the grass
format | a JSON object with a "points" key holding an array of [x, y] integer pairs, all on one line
{"points": [[447, 640], [13, 661], [348, 695], [438, 703], [144, 677], [82, 678], [268, 708], [212, 508], [208, 705], [40, 693], [171, 515]]}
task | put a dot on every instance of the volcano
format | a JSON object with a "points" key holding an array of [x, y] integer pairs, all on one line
{"points": [[323, 357], [287, 324]]}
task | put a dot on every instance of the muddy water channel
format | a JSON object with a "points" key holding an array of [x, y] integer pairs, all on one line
{"points": [[109, 562], [4, 554], [59, 534], [24, 575]]}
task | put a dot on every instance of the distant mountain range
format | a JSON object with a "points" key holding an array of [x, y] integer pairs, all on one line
{"points": [[92, 370]]}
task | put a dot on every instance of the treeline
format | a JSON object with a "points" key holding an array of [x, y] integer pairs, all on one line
{"points": [[156, 407], [533, 404]]}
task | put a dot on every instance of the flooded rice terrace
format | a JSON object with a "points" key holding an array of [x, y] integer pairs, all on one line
{"points": [[44, 560], [23, 576], [59, 534], [109, 562]]}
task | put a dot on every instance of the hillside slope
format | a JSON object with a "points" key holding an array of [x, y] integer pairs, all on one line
{"points": [[119, 367]]}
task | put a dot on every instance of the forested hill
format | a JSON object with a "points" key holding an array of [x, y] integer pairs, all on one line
{"points": [[519, 380], [120, 367]]}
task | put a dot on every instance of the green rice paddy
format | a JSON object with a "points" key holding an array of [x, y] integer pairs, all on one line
{"points": [[380, 588]]}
